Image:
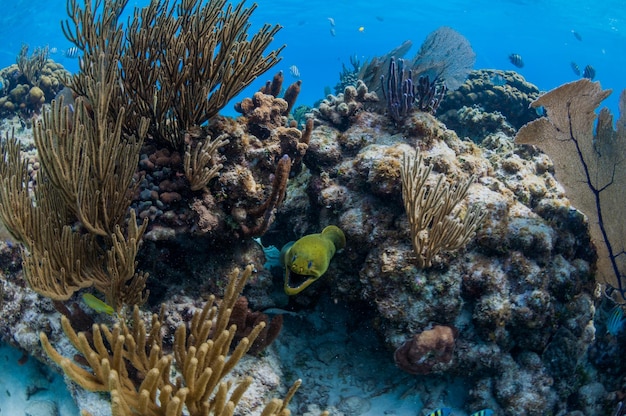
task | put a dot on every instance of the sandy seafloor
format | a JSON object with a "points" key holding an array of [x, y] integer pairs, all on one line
{"points": [[31, 387]]}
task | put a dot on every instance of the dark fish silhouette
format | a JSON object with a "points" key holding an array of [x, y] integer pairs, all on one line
{"points": [[589, 72], [516, 59], [577, 35], [575, 68]]}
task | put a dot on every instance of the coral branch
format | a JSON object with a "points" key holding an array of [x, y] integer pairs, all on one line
{"points": [[198, 157], [200, 355], [263, 215], [436, 222]]}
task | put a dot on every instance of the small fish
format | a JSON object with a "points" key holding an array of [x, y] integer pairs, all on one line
{"points": [[71, 52], [380, 18], [53, 50], [361, 29], [577, 35], [332, 21], [294, 71], [278, 311], [616, 321], [484, 412], [97, 305], [575, 68], [589, 72], [443, 411], [516, 59], [332, 31]]}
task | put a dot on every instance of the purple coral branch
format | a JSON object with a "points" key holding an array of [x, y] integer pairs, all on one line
{"points": [[403, 95]]}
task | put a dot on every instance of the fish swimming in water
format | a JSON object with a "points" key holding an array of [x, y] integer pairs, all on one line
{"points": [[443, 411], [332, 31], [97, 305], [615, 323], [589, 72], [516, 60], [310, 256], [71, 52], [575, 68], [577, 35], [361, 29], [332, 21], [294, 71]]}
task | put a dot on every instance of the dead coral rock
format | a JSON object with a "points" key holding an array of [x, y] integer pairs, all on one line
{"points": [[324, 149], [426, 352], [380, 164], [264, 113]]}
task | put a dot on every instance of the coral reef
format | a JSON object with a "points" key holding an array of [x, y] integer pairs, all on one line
{"points": [[340, 110], [30, 83], [135, 368], [522, 287], [442, 63], [487, 102], [507, 304]]}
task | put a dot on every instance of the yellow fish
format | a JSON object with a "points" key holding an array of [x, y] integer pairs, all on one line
{"points": [[97, 305], [362, 29], [310, 256]]}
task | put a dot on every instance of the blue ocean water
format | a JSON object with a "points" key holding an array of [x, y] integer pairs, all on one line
{"points": [[540, 31]]}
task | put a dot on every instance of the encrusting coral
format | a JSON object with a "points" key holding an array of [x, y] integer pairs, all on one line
{"points": [[130, 361]]}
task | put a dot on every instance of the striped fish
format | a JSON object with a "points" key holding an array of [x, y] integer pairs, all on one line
{"points": [[615, 323], [589, 72], [294, 71], [516, 59], [71, 52]]}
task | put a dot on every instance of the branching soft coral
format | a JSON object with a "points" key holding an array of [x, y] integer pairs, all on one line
{"points": [[129, 361]]}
